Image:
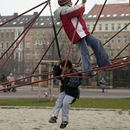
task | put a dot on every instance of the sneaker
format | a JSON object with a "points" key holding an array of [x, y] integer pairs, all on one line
{"points": [[53, 119], [63, 124], [93, 73]]}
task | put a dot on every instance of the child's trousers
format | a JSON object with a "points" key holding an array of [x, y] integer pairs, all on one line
{"points": [[63, 102]]}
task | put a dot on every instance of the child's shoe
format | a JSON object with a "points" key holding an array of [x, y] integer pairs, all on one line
{"points": [[63, 124], [53, 119]]}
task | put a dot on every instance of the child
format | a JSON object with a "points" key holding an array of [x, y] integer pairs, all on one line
{"points": [[10, 79], [103, 84], [69, 92], [77, 32]]}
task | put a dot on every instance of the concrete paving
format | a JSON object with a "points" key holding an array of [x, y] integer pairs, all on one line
{"points": [[35, 92]]}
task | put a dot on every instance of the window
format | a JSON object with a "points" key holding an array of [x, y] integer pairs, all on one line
{"points": [[125, 39], [114, 15], [28, 45], [17, 56], [127, 14], [118, 26], [90, 16], [106, 26], [102, 15], [2, 35], [41, 19], [94, 16], [7, 44], [125, 25], [108, 15], [100, 27], [122, 15], [119, 40], [19, 33], [14, 23], [21, 22], [2, 44], [113, 26], [7, 34], [42, 24], [88, 26], [12, 35]]}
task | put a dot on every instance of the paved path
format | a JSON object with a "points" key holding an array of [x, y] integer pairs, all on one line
{"points": [[27, 92]]}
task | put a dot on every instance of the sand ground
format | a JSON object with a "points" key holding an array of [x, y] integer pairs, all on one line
{"points": [[82, 119]]}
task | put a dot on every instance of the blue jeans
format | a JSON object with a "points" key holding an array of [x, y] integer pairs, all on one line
{"points": [[98, 49]]}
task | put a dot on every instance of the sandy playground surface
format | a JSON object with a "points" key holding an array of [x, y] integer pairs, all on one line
{"points": [[87, 119]]}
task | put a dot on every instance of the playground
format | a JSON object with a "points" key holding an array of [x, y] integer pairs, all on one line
{"points": [[32, 118], [83, 119]]}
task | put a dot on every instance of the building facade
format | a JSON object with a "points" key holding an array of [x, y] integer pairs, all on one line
{"points": [[7, 36], [113, 18], [33, 45]]}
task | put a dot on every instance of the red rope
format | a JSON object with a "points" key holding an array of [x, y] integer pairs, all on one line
{"points": [[13, 43], [22, 14], [99, 16], [108, 68], [28, 28], [124, 57], [27, 77], [70, 47], [45, 52], [117, 61], [122, 50], [48, 48], [110, 39], [40, 59], [22, 32], [95, 23]]}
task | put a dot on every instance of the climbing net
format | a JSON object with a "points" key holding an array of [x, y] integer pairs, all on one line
{"points": [[116, 62]]}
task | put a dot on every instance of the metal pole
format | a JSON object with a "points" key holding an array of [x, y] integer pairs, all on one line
{"points": [[54, 29]]}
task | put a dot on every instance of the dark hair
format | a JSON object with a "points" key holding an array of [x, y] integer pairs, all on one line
{"points": [[63, 2], [68, 64]]}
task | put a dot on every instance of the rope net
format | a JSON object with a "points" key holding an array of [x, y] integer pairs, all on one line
{"points": [[120, 62]]}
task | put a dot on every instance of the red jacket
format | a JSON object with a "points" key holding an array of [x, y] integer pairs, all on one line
{"points": [[69, 17]]}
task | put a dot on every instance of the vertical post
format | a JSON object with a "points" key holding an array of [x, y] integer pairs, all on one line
{"points": [[23, 67], [54, 29], [50, 83], [39, 84]]}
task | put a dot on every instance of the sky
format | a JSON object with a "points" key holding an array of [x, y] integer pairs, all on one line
{"points": [[9, 7]]}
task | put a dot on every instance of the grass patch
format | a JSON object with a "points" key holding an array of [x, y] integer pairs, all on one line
{"points": [[103, 103], [26, 102], [81, 103]]}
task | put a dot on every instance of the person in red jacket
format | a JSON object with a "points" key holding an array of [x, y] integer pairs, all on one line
{"points": [[77, 32]]}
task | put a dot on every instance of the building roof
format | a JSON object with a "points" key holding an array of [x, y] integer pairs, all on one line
{"points": [[42, 21], [121, 10]]}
